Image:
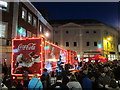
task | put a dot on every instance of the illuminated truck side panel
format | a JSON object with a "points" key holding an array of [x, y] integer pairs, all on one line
{"points": [[27, 56], [52, 55]]}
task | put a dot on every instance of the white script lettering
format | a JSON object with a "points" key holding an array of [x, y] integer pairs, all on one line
{"points": [[30, 46]]}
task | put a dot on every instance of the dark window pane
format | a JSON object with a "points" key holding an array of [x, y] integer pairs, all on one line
{"points": [[67, 32], [94, 31], [67, 44], [75, 43], [95, 43], [87, 31], [87, 44]]}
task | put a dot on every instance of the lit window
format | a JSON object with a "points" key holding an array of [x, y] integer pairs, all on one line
{"points": [[3, 30], [29, 34], [40, 28], [3, 5], [34, 22], [24, 14], [29, 18], [85, 55]]}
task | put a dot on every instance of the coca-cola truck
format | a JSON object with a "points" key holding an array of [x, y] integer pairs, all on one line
{"points": [[31, 55]]}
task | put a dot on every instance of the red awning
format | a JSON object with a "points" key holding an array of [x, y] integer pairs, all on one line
{"points": [[99, 57]]}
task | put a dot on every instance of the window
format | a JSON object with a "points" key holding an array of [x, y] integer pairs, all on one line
{"points": [[75, 44], [29, 34], [3, 30], [106, 33], [34, 22], [24, 13], [67, 44], [56, 43], [56, 32], [85, 55], [94, 31], [67, 32], [29, 18], [3, 5], [40, 28], [87, 44], [95, 43], [87, 31]]}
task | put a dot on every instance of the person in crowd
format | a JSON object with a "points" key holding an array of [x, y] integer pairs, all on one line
{"points": [[25, 79], [65, 80], [79, 65], [13, 85], [4, 87], [7, 80], [113, 85], [109, 72], [19, 86], [73, 84], [86, 82], [117, 72], [46, 79], [103, 79], [4, 68], [35, 83], [59, 85]]}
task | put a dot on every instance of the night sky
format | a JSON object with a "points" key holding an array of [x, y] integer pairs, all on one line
{"points": [[107, 12]]}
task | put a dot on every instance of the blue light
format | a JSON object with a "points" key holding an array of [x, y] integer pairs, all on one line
{"points": [[46, 47], [99, 45], [15, 50]]}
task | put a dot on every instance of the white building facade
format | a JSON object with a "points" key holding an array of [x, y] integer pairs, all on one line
{"points": [[87, 39]]}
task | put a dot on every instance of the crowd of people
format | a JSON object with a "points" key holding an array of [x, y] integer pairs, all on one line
{"points": [[92, 76]]}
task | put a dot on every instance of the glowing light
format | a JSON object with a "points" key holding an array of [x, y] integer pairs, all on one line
{"points": [[109, 39], [99, 45], [46, 47], [13, 77], [46, 34], [15, 50]]}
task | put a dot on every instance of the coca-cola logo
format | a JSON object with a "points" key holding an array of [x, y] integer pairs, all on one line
{"points": [[30, 46]]}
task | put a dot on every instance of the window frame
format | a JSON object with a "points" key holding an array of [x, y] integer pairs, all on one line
{"points": [[25, 14], [30, 15], [34, 22]]}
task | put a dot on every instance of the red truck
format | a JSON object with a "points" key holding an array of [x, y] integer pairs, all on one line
{"points": [[34, 54]]}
